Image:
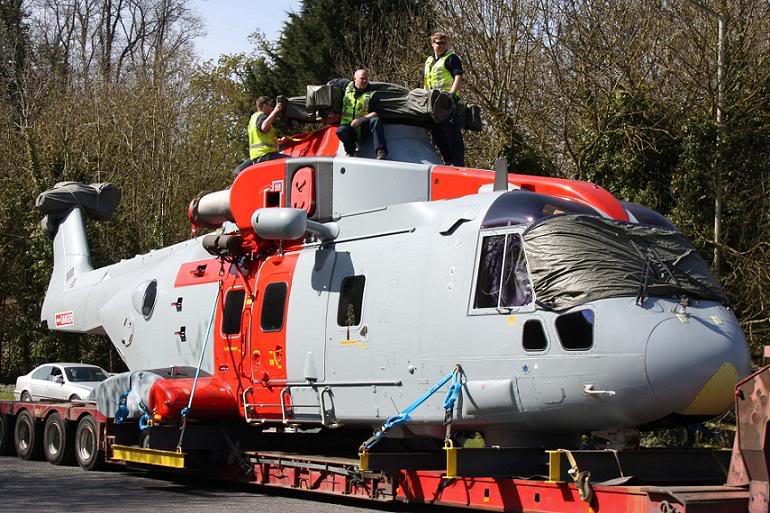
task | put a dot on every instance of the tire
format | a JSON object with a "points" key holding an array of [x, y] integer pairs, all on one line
{"points": [[6, 435], [58, 441], [25, 397], [87, 451], [28, 437], [75, 397]]}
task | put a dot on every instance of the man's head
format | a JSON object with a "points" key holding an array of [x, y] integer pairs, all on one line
{"points": [[265, 104], [439, 42], [361, 78]]}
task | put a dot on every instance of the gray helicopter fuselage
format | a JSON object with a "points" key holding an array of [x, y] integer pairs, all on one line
{"points": [[390, 305]]}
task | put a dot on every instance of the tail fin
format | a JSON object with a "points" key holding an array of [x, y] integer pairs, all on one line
{"points": [[64, 207]]}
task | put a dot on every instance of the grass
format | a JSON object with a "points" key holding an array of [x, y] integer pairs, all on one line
{"points": [[6, 393]]}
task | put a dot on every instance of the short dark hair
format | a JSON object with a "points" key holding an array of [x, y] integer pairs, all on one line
{"points": [[262, 100], [439, 36]]}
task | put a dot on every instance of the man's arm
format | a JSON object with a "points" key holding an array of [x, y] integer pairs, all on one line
{"points": [[455, 67], [267, 124], [456, 84], [363, 118], [369, 115]]}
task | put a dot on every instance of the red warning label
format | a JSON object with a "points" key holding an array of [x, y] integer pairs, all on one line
{"points": [[65, 319]]}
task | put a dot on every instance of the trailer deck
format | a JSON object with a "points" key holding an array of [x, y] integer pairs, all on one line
{"points": [[507, 480]]}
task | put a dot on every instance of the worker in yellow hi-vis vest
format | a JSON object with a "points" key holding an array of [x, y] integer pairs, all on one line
{"points": [[359, 117], [444, 71], [263, 143]]}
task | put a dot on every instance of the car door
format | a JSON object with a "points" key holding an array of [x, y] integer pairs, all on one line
{"points": [[56, 387], [37, 383]]}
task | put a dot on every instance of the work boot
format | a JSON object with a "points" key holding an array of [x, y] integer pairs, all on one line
{"points": [[382, 154]]}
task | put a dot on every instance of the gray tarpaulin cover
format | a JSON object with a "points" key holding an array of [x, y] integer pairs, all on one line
{"points": [[136, 384], [98, 201], [575, 259], [396, 104]]}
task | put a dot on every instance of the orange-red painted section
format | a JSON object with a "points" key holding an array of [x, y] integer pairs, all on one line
{"points": [[197, 273], [319, 143], [303, 190], [258, 186], [212, 401], [267, 350], [454, 182], [249, 360]]}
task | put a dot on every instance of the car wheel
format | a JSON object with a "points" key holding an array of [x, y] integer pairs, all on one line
{"points": [[6, 435], [28, 437], [25, 397], [75, 397], [58, 441], [87, 451]]}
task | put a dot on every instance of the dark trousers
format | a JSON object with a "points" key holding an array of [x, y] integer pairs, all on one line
{"points": [[369, 128], [449, 139], [270, 156]]}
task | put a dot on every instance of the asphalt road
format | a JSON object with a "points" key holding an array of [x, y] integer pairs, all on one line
{"points": [[27, 486]]}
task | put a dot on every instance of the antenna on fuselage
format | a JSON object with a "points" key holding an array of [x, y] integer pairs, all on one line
{"points": [[501, 174]]}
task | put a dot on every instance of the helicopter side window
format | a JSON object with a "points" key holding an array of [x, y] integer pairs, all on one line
{"points": [[576, 330], [231, 316], [351, 301], [502, 279], [533, 336], [273, 306]]}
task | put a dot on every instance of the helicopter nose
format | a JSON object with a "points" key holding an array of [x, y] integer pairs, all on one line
{"points": [[694, 363]]}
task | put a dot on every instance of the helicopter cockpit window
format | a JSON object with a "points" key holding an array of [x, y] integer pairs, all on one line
{"points": [[273, 306], [502, 280], [533, 336], [648, 217], [576, 330], [231, 316], [524, 207], [351, 301]]}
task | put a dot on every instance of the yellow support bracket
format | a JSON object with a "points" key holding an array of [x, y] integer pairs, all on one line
{"points": [[363, 459], [451, 459], [133, 454], [554, 466]]}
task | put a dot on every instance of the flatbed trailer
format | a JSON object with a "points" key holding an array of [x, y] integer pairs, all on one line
{"points": [[493, 479]]}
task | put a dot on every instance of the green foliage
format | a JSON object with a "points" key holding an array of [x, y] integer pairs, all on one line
{"points": [[635, 154], [317, 42]]}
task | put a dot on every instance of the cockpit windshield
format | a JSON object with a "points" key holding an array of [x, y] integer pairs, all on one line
{"points": [[648, 217], [524, 207]]}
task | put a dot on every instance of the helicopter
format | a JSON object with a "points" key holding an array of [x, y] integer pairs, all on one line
{"points": [[336, 290]]}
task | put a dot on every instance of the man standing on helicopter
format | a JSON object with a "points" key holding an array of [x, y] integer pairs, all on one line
{"points": [[444, 71]]}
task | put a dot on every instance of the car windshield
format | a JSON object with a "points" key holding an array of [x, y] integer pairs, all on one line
{"points": [[83, 374]]}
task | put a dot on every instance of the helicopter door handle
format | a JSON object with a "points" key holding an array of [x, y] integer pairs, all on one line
{"points": [[591, 390]]}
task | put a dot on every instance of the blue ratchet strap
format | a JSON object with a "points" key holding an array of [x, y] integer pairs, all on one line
{"points": [[405, 416], [121, 414], [452, 394], [186, 410]]}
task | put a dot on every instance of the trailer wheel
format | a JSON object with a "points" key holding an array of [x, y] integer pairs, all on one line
{"points": [[28, 437], [87, 452], [58, 441], [6, 435]]}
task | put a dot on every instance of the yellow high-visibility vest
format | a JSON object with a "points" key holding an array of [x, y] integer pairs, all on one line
{"points": [[354, 106], [260, 143], [436, 76]]}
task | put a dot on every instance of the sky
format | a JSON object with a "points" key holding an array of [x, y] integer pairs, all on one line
{"points": [[230, 22]]}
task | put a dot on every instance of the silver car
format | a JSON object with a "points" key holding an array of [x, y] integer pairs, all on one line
{"points": [[59, 381]]}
